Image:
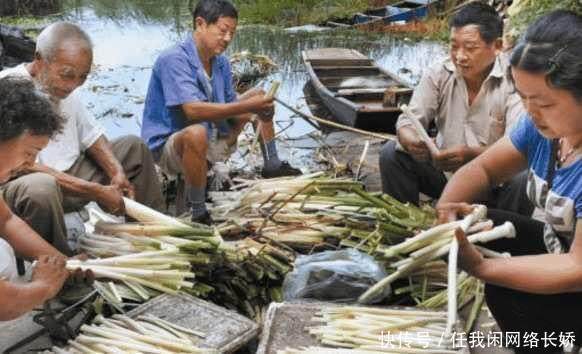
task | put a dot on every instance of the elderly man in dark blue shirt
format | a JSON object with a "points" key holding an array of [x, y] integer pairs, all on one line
{"points": [[192, 114]]}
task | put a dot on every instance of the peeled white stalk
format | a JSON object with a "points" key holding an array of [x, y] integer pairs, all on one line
{"points": [[423, 251], [158, 321], [479, 212], [480, 226], [143, 256], [136, 288], [60, 351], [130, 323], [452, 287], [422, 134], [155, 274], [149, 284], [159, 332], [102, 244], [429, 234], [121, 343], [113, 290], [358, 328], [175, 344], [362, 159], [143, 213], [506, 230]]}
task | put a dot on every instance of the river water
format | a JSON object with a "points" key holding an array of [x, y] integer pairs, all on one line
{"points": [[129, 35]]}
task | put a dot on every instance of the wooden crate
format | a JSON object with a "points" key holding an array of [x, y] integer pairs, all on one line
{"points": [[226, 330]]}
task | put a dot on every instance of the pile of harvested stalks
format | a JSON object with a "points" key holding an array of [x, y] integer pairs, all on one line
{"points": [[315, 211]]}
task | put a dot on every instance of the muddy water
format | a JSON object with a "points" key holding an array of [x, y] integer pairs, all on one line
{"points": [[129, 35]]}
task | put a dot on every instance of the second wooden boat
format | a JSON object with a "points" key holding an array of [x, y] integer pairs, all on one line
{"points": [[402, 11]]}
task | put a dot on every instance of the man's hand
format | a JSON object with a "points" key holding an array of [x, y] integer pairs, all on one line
{"points": [[125, 187], [265, 109], [262, 106], [411, 142], [50, 273], [110, 199], [452, 159]]}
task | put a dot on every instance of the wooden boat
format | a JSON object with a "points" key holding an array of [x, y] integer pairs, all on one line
{"points": [[403, 11], [355, 90]]}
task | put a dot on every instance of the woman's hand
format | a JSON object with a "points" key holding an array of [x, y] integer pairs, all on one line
{"points": [[469, 259], [448, 212]]}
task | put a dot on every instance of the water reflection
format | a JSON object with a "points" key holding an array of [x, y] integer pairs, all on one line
{"points": [[171, 12], [129, 35]]}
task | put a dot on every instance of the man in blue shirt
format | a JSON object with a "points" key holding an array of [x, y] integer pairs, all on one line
{"points": [[192, 114]]}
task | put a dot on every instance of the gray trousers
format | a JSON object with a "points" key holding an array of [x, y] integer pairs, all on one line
{"points": [[38, 199], [404, 178]]}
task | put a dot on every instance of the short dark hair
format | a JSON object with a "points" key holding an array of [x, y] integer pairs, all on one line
{"points": [[552, 46], [482, 15], [25, 109], [212, 10]]}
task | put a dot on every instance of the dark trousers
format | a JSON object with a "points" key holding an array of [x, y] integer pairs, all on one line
{"points": [[404, 178], [517, 311]]}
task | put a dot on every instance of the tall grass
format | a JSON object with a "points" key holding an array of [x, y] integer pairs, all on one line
{"points": [[296, 12], [29, 7], [529, 10]]}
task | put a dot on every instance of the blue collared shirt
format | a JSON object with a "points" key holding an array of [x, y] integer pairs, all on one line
{"points": [[178, 77]]}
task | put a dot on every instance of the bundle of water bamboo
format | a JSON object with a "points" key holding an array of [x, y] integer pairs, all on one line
{"points": [[244, 275], [433, 244], [164, 271]]}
